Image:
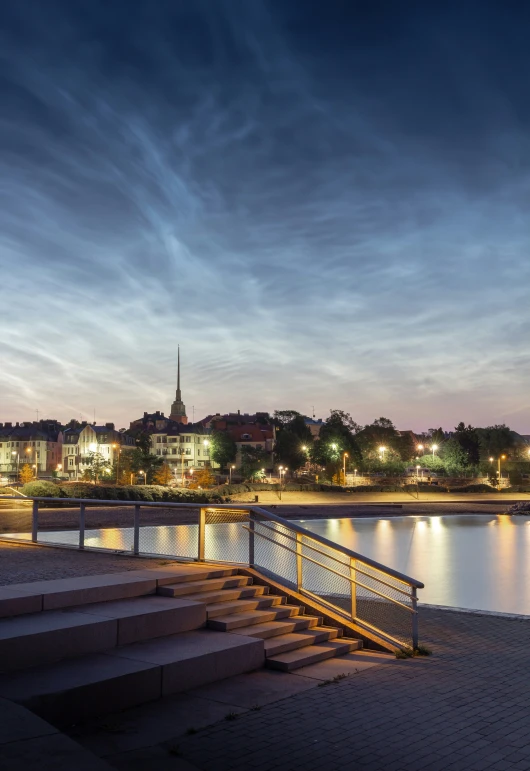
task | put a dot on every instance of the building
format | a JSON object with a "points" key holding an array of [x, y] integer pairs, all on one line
{"points": [[79, 445], [314, 426], [184, 447], [178, 408], [38, 443]]}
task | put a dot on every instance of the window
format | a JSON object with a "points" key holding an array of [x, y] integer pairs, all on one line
{"points": [[188, 451], [158, 451], [173, 451], [198, 450], [188, 439]]}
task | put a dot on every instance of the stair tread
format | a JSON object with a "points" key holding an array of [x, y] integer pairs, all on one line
{"points": [[207, 585], [325, 650], [269, 629], [250, 617], [237, 606], [296, 640], [221, 596]]}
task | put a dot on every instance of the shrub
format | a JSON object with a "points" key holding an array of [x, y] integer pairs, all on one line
{"points": [[41, 490], [479, 488], [146, 493]]}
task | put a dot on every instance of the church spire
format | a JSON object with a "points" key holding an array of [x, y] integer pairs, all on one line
{"points": [[178, 408]]}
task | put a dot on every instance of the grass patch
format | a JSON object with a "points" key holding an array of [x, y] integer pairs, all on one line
{"points": [[422, 650], [408, 653]]}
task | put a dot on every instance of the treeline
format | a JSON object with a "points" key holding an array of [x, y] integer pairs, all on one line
{"points": [[380, 447]]}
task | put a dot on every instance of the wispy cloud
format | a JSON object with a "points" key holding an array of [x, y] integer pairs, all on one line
{"points": [[322, 210]]}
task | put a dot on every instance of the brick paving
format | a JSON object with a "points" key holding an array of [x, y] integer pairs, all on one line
{"points": [[22, 563], [466, 708]]}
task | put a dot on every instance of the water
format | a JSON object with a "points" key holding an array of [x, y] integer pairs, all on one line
{"points": [[467, 561]]}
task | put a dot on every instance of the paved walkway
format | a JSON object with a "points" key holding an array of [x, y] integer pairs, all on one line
{"points": [[466, 708]]}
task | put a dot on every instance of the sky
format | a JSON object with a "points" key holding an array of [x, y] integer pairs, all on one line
{"points": [[326, 204]]}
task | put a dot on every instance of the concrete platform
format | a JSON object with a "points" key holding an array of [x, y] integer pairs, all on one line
{"points": [[191, 659], [16, 602], [143, 618]]}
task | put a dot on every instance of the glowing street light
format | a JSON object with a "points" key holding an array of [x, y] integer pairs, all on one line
{"points": [[344, 465], [144, 475], [382, 451], [231, 469], [29, 450], [434, 448], [420, 447], [501, 457]]}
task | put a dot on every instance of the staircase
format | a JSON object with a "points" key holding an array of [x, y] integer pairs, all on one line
{"points": [[82, 647], [291, 638]]}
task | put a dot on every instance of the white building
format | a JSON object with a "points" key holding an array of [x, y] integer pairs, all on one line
{"points": [[37, 444], [80, 444], [183, 447]]}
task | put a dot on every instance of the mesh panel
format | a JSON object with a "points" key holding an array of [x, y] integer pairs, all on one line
{"points": [[169, 532], [15, 517], [226, 539], [395, 620]]}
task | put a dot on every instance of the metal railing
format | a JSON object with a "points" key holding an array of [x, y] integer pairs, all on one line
{"points": [[376, 598]]}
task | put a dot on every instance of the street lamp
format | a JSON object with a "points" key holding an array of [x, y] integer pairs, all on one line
{"points": [[501, 457], [434, 448], [382, 451], [231, 469], [344, 466], [418, 472], [420, 447], [143, 474], [29, 451]]}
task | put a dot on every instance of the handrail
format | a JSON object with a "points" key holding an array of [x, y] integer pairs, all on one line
{"points": [[336, 572], [331, 557], [242, 507]]}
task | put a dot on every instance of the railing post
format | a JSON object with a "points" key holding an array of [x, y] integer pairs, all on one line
{"points": [[202, 535], [414, 593], [298, 562], [35, 521], [353, 586], [82, 525], [136, 541], [251, 539]]}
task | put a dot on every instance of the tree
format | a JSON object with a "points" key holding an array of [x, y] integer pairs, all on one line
{"points": [[163, 475], [252, 458], [288, 450], [223, 449], [26, 473], [468, 440], [95, 465], [453, 456], [494, 441], [203, 479], [338, 435], [374, 436]]}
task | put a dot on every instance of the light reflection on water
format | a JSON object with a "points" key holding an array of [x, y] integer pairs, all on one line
{"points": [[467, 561]]}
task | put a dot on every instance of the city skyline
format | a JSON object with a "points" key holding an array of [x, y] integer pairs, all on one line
{"points": [[324, 204]]}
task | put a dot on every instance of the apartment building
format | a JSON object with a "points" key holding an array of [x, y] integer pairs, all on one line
{"points": [[80, 443], [37, 443]]}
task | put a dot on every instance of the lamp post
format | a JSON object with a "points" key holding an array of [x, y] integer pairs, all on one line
{"points": [[501, 457], [420, 447], [28, 453], [434, 448], [344, 466], [144, 475], [418, 472], [231, 469], [382, 451]]}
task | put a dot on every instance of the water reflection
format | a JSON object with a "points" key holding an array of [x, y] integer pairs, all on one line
{"points": [[468, 561]]}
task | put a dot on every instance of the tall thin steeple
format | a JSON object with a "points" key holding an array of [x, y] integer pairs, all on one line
{"points": [[178, 408]]}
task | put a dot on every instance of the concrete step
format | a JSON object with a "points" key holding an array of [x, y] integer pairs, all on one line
{"points": [[270, 629], [287, 662], [290, 642], [208, 585], [251, 617], [18, 599], [241, 606], [96, 684], [48, 636], [225, 595]]}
